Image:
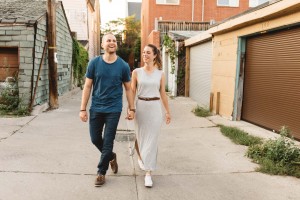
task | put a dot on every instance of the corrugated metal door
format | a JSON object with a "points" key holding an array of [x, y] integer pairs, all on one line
{"points": [[200, 73], [9, 64], [272, 80]]}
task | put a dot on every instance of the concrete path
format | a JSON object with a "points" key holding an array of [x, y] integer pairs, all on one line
{"points": [[50, 157]]}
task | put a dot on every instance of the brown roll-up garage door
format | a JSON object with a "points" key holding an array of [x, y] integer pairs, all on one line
{"points": [[271, 96], [9, 63]]}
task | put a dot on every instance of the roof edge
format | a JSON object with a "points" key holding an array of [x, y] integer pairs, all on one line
{"points": [[277, 9], [202, 37]]}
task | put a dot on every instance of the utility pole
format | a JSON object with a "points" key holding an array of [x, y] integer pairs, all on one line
{"points": [[51, 16]]}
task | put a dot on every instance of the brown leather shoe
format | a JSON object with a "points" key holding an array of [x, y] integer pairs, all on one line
{"points": [[114, 164], [100, 180]]}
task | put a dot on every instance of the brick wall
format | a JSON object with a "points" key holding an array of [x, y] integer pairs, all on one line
{"points": [[183, 12], [154, 38], [219, 13]]}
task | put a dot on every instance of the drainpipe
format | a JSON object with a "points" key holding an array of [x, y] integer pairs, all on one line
{"points": [[203, 10], [193, 5]]}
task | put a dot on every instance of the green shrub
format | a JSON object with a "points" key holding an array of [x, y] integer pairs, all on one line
{"points": [[80, 59], [11, 104], [279, 156]]}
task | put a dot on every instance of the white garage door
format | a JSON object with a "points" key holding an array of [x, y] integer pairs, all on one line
{"points": [[200, 73]]}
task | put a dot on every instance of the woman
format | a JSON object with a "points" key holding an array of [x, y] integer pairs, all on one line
{"points": [[148, 82]]}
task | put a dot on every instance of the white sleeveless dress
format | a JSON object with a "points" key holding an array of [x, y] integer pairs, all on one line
{"points": [[148, 116]]}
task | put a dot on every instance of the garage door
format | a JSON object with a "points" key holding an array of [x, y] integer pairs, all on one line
{"points": [[272, 80], [9, 64], [200, 73]]}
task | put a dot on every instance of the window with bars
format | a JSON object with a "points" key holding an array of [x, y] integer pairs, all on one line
{"points": [[229, 3]]}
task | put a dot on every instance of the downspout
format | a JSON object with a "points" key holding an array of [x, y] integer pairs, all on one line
{"points": [[203, 10], [193, 7]]}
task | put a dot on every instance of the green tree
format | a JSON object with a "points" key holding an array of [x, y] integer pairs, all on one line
{"points": [[127, 31]]}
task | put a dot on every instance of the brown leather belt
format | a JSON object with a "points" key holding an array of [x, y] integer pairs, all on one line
{"points": [[149, 98]]}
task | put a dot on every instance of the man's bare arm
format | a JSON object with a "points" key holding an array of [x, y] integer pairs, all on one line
{"points": [[130, 99], [85, 98]]}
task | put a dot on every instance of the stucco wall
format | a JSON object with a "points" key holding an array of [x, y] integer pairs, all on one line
{"points": [[224, 64]]}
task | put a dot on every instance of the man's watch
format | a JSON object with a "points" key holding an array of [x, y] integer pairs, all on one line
{"points": [[133, 110]]}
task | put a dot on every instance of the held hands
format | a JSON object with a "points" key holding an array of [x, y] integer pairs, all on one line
{"points": [[168, 118], [83, 115], [130, 114]]}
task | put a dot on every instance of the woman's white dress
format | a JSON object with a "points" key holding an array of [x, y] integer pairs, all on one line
{"points": [[148, 116]]}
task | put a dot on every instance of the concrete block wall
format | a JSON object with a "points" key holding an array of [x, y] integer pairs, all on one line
{"points": [[21, 37], [64, 57], [64, 53], [31, 45], [42, 92]]}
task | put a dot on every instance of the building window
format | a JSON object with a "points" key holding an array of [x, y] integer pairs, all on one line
{"points": [[229, 3], [176, 2], [254, 3]]}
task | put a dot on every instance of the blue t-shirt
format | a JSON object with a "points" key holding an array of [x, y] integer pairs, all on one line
{"points": [[107, 84]]}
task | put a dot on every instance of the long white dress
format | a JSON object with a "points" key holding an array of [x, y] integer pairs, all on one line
{"points": [[148, 116]]}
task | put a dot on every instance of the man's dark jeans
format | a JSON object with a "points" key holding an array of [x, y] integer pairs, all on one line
{"points": [[105, 144]]}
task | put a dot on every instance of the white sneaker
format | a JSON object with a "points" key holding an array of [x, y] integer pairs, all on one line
{"points": [[148, 181], [141, 164]]}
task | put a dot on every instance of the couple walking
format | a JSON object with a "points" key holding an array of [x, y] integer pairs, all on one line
{"points": [[145, 91]]}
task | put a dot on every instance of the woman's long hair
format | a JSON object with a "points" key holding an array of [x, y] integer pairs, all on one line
{"points": [[157, 59]]}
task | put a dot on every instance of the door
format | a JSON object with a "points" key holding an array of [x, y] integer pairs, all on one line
{"points": [[200, 73], [271, 96], [9, 64]]}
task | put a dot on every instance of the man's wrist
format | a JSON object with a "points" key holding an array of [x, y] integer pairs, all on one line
{"points": [[132, 109]]}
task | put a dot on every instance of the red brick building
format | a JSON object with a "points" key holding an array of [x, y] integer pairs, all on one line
{"points": [[189, 11]]}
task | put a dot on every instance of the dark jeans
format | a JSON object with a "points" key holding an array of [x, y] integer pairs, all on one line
{"points": [[104, 143]]}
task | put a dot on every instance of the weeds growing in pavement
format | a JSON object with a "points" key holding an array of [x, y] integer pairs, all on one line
{"points": [[201, 112], [279, 157], [240, 137], [275, 156]]}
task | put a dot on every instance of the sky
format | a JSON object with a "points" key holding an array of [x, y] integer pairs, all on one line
{"points": [[113, 9]]}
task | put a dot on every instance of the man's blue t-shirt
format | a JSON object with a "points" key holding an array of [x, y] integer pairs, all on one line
{"points": [[107, 84]]}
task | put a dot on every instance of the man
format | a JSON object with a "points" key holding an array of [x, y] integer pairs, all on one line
{"points": [[105, 74]]}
